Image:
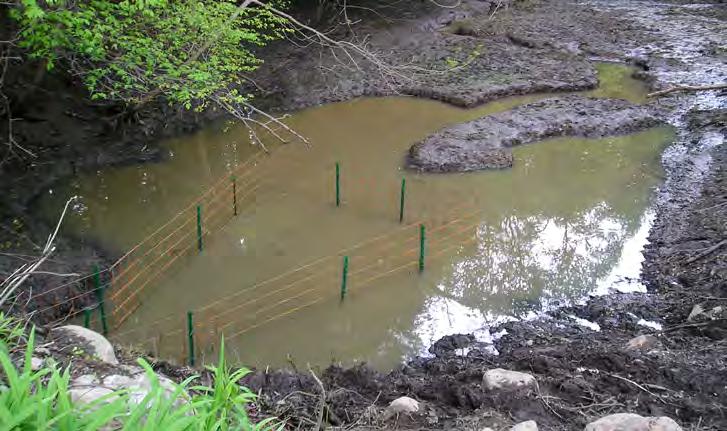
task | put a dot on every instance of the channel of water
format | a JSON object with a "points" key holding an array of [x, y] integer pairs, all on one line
{"points": [[568, 220]]}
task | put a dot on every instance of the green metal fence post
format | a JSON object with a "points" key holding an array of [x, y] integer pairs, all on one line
{"points": [[422, 240], [99, 289], [234, 195], [401, 203], [190, 337], [344, 277], [87, 318], [199, 227], [338, 184]]}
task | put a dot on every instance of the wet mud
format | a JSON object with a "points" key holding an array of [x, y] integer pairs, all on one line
{"points": [[484, 143]]}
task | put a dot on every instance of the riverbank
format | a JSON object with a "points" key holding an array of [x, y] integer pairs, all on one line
{"points": [[582, 374]]}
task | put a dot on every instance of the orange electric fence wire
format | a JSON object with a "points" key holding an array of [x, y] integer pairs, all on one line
{"points": [[209, 215], [69, 300], [252, 302], [124, 286], [78, 280], [236, 334], [134, 293], [236, 294], [355, 284], [356, 246], [215, 210], [214, 198], [188, 207]]}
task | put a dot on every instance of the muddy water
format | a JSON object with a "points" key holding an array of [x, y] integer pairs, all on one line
{"points": [[569, 219]]}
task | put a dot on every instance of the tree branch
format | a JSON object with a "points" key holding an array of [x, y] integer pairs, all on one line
{"points": [[687, 88]]}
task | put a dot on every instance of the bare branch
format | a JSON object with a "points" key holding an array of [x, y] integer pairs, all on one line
{"points": [[18, 277], [687, 88]]}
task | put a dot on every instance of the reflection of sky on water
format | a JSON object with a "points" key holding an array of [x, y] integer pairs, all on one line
{"points": [[530, 264]]}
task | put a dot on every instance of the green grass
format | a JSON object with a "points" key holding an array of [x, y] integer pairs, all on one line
{"points": [[11, 330], [39, 400]]}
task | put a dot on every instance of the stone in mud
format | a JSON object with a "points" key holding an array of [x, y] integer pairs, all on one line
{"points": [[91, 342], [484, 143], [700, 314], [36, 363], [642, 342], [525, 426], [504, 379], [633, 422], [401, 405], [88, 388], [89, 394]]}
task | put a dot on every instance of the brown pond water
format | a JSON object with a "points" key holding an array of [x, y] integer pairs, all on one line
{"points": [[569, 219]]}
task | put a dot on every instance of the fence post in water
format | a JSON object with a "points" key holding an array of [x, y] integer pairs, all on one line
{"points": [[422, 240], [199, 227], [234, 195], [190, 337], [338, 184], [344, 277], [401, 203], [100, 295], [87, 318]]}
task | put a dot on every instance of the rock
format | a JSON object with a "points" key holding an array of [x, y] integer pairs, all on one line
{"points": [[42, 351], [401, 405], [633, 422], [504, 379], [696, 312], [85, 380], [642, 342], [525, 426], [88, 394], [93, 343], [36, 363], [700, 314], [88, 387]]}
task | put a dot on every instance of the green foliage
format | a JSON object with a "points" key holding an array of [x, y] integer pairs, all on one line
{"points": [[11, 330], [134, 50], [463, 60], [40, 400]]}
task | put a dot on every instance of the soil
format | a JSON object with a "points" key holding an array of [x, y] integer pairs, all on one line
{"points": [[526, 46], [484, 143]]}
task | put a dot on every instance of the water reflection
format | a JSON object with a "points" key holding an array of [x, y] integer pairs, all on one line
{"points": [[528, 264]]}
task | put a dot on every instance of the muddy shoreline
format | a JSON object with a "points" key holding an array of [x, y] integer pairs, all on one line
{"points": [[485, 143], [582, 374]]}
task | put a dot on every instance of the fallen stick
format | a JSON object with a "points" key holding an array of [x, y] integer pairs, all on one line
{"points": [[707, 251], [692, 325], [687, 88]]}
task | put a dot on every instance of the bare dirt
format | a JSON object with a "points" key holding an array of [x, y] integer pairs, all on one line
{"points": [[582, 374]]}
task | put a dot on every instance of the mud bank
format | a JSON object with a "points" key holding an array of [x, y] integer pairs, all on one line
{"points": [[437, 53], [484, 143]]}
